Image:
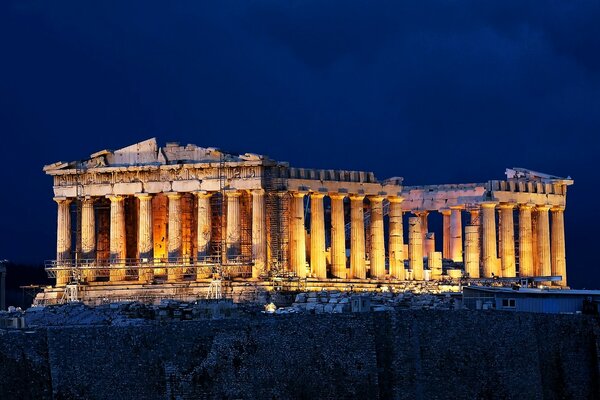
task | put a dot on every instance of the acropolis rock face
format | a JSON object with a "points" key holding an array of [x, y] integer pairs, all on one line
{"points": [[179, 215]]}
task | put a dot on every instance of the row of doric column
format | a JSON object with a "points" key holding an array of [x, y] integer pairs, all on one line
{"points": [[358, 265], [145, 241], [486, 253]]}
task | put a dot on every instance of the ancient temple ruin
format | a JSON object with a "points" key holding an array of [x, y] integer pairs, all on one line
{"points": [[169, 219]]}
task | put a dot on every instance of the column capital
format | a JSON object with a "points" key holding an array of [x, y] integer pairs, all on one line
{"points": [[457, 207], [509, 206], [233, 193], [298, 195], [558, 208], [356, 197], [489, 204], [395, 199], [203, 194], [89, 199], [445, 211], [376, 198], [257, 192], [173, 195], [543, 207], [526, 206], [337, 196], [115, 197], [317, 195], [143, 196], [62, 199]]}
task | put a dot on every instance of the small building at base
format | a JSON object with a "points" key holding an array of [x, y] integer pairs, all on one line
{"points": [[551, 301]]}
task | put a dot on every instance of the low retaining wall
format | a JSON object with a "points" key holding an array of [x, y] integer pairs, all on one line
{"points": [[402, 355]]}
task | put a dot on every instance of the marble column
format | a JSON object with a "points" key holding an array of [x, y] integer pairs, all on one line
{"points": [[415, 247], [298, 239], [525, 241], [456, 234], [338, 240], [434, 262], [358, 269], [423, 214], [145, 245], [543, 246], [377, 238], [472, 251], [559, 262], [507, 237], [118, 248], [88, 237], [259, 234], [446, 252], [63, 241], [534, 242], [233, 238], [204, 225], [174, 237], [318, 264], [396, 239], [488, 247]]}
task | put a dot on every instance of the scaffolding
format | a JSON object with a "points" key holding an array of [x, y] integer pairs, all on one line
{"points": [[277, 213]]}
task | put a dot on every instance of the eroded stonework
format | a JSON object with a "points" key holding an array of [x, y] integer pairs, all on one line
{"points": [[180, 214]]}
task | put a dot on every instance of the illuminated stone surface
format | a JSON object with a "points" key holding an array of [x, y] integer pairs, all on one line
{"points": [[200, 210]]}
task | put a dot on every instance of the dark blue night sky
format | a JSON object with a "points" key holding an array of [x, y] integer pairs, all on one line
{"points": [[437, 92]]}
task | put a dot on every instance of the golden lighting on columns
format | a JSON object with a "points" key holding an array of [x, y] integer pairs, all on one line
{"points": [[117, 237], [63, 240], [526, 268], [488, 248], [377, 238], [396, 239], [145, 235], [338, 240], [358, 269], [259, 233], [507, 237], [298, 238], [317, 236], [543, 246], [559, 261]]}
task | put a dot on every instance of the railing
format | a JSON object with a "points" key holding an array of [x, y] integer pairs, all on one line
{"points": [[237, 265]]}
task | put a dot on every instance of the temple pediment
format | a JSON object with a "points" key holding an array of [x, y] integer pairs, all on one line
{"points": [[148, 152]]}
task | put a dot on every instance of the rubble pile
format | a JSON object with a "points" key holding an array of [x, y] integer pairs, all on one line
{"points": [[341, 302]]}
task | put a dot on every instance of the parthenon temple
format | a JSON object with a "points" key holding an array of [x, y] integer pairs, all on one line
{"points": [[173, 215]]}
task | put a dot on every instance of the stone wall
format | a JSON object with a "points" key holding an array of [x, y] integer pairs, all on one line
{"points": [[402, 355]]}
